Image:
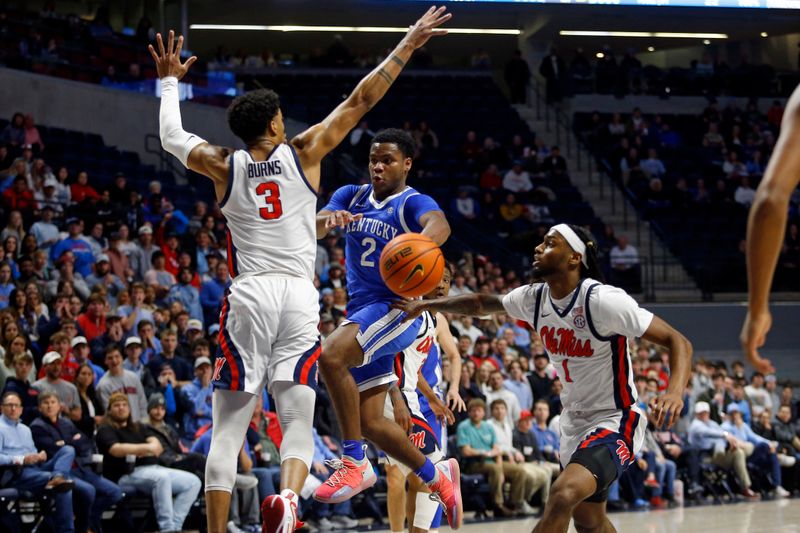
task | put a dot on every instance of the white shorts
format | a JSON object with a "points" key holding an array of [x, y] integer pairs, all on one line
{"points": [[268, 332], [622, 431]]}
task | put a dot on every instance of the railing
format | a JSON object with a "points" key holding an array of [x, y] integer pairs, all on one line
{"points": [[660, 270], [152, 145]]}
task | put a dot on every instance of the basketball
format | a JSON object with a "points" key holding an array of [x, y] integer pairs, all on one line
{"points": [[412, 265]]}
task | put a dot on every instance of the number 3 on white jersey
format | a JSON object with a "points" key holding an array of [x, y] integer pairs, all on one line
{"points": [[370, 245]]}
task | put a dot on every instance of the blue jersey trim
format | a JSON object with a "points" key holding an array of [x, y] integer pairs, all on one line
{"points": [[589, 316], [230, 183], [300, 170], [568, 308]]}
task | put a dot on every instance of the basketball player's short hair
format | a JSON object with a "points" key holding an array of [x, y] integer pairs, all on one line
{"points": [[249, 114], [401, 138], [498, 401]]}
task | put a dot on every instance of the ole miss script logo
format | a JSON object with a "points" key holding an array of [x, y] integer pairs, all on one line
{"points": [[418, 439], [623, 452]]}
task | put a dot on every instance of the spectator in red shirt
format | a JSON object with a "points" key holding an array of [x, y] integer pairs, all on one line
{"points": [[93, 321], [82, 191], [170, 249], [61, 343], [657, 371], [19, 197]]}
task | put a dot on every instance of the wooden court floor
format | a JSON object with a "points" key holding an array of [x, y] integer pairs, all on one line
{"points": [[777, 516]]}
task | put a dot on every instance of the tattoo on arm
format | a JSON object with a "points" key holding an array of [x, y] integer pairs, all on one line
{"points": [[385, 75], [398, 61]]}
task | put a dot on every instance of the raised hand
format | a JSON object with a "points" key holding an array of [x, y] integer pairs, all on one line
{"points": [[168, 62], [753, 336], [426, 26]]}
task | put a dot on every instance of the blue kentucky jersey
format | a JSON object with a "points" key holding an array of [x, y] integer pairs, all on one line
{"points": [[366, 238]]}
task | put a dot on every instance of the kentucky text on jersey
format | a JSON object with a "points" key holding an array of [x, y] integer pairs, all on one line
{"points": [[374, 227], [562, 341], [261, 169]]}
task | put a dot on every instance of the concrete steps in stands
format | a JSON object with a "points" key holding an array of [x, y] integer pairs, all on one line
{"points": [[670, 280]]}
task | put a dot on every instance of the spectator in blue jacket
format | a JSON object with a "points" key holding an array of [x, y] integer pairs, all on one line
{"points": [[547, 439], [197, 395], [741, 402], [212, 293], [92, 492], [187, 295], [6, 284], [763, 452]]}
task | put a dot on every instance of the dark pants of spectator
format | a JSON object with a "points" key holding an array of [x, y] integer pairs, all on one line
{"points": [[521, 483], [766, 460], [266, 480], [33, 478], [629, 280], [665, 475], [192, 462], [631, 483], [106, 494]]}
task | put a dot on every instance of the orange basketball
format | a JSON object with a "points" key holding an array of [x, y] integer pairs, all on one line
{"points": [[412, 265]]}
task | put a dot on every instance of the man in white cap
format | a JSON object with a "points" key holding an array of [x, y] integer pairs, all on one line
{"points": [[133, 363], [198, 394], [706, 435], [53, 382], [140, 258], [103, 275], [194, 331], [80, 353], [44, 230]]}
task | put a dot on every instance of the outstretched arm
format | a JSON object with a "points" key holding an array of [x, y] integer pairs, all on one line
{"points": [[468, 304], [450, 350], [668, 406], [316, 142], [191, 150], [765, 231]]}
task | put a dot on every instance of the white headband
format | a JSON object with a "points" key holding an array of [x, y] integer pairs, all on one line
{"points": [[573, 240]]}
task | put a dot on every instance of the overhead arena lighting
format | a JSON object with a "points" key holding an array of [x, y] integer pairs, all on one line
{"points": [[657, 34], [345, 29]]}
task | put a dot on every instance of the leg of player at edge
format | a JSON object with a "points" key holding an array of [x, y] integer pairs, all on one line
{"points": [[340, 352], [575, 484], [396, 503]]}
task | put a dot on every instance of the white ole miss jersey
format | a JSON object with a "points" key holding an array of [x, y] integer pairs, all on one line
{"points": [[586, 336], [271, 212], [408, 362]]}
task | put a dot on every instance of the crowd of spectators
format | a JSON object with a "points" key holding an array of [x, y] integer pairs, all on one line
{"points": [[708, 166], [109, 302]]}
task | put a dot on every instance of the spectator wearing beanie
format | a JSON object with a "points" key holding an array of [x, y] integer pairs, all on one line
{"points": [[173, 455]]}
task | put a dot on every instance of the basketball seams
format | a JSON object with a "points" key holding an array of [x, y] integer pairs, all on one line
{"points": [[432, 270], [410, 261]]}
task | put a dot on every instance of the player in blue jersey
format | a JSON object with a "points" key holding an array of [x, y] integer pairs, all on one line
{"points": [[365, 344]]}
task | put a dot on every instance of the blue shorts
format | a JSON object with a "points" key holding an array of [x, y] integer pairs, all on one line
{"points": [[382, 333]]}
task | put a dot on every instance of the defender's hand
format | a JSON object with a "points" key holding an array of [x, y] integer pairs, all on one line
{"points": [[340, 219], [168, 62], [426, 27], [412, 308]]}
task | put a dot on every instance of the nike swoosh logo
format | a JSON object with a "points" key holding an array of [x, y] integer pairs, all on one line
{"points": [[416, 269], [546, 315]]}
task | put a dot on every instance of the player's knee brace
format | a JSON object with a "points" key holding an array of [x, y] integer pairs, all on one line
{"points": [[295, 405]]}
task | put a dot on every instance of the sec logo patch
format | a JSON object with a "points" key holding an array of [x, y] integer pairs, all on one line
{"points": [[579, 321]]}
